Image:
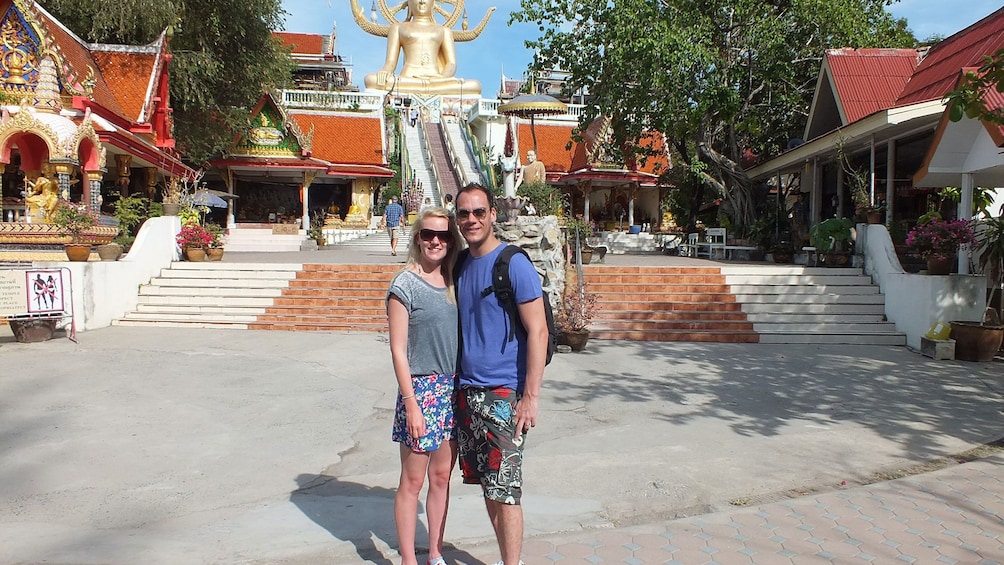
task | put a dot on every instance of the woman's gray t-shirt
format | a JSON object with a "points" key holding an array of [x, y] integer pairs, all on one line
{"points": [[432, 325]]}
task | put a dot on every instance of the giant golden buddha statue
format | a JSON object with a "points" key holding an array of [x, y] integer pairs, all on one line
{"points": [[430, 60]]}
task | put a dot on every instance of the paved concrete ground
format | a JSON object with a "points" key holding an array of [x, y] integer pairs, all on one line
{"points": [[173, 446]]}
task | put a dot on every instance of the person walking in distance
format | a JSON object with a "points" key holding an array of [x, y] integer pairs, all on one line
{"points": [[393, 218], [500, 380], [422, 317]]}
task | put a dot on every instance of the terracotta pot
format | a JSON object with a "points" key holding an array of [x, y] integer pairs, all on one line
{"points": [[783, 256], [836, 259], [940, 266], [874, 217], [576, 340], [171, 208], [195, 254], [78, 251], [587, 256], [214, 253], [110, 252], [33, 330], [976, 342]]}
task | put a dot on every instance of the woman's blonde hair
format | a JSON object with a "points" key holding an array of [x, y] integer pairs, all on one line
{"points": [[452, 250]]}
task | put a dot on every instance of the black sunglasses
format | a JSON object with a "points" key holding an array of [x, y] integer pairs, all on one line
{"points": [[428, 235], [478, 213]]}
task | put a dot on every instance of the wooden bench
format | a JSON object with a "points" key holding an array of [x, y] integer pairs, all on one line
{"points": [[729, 249]]}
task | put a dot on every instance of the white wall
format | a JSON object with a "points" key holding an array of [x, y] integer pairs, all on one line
{"points": [[916, 302], [105, 290]]}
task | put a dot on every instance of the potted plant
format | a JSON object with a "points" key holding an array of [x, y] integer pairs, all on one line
{"points": [[573, 316], [980, 341], [783, 252], [193, 240], [831, 238], [937, 241], [74, 218], [214, 251]]}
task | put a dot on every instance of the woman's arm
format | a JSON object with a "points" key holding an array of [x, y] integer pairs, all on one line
{"points": [[397, 320]]}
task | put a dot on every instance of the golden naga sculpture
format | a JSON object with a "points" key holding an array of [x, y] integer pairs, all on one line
{"points": [[430, 61]]}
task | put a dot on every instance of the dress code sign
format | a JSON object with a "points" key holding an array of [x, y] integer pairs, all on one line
{"points": [[34, 291]]}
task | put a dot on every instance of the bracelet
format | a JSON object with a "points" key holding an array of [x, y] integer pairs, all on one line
{"points": [[407, 397]]}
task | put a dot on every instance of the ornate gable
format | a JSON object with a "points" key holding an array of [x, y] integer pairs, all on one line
{"points": [[272, 134]]}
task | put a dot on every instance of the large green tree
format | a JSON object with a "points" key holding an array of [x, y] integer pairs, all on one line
{"points": [[719, 78], [224, 57]]}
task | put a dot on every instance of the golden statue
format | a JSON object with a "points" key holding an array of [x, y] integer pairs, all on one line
{"points": [[430, 61], [43, 196]]}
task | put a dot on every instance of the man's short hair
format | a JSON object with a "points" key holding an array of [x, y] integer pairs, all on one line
{"points": [[472, 187]]}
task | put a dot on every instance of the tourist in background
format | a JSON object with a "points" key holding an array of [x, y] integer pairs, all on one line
{"points": [[393, 218]]}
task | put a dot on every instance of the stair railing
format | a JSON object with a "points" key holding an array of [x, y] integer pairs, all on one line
{"points": [[434, 184], [459, 168], [485, 170]]}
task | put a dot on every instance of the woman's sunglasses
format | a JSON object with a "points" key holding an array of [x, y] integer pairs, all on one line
{"points": [[478, 213], [428, 235]]}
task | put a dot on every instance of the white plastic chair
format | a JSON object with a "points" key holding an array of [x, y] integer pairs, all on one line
{"points": [[714, 243], [689, 249]]}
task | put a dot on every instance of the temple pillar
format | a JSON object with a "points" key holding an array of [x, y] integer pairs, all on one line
{"points": [[92, 190], [965, 212], [150, 175], [890, 180], [122, 164], [63, 171]]}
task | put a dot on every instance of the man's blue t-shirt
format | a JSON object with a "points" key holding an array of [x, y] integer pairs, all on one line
{"points": [[488, 359], [392, 214]]}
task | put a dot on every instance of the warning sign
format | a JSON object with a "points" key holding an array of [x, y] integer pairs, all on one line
{"points": [[34, 292]]}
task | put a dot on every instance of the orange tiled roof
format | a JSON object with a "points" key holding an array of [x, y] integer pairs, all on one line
{"points": [[552, 140], [308, 43], [78, 57], [131, 73], [343, 139]]}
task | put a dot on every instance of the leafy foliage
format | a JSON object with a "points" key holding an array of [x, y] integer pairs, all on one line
{"points": [[73, 218], [576, 311], [939, 239], [717, 77], [224, 57], [970, 98], [546, 199], [831, 235], [131, 211]]}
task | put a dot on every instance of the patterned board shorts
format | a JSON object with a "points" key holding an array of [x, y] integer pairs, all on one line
{"points": [[437, 399], [489, 454]]}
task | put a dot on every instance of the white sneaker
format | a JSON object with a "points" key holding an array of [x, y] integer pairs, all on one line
{"points": [[503, 563]]}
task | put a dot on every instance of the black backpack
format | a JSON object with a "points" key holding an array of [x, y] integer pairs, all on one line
{"points": [[502, 287]]}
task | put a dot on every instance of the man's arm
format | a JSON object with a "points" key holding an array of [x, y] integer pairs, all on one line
{"points": [[532, 315]]}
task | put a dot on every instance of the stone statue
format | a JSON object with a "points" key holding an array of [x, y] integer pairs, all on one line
{"points": [[43, 197], [533, 171], [508, 175], [430, 61]]}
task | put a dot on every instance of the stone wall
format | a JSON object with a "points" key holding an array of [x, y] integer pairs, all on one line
{"points": [[544, 242]]}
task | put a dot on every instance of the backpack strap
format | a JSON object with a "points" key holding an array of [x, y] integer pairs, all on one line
{"points": [[502, 286]]}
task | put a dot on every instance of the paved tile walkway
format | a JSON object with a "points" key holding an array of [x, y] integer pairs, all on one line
{"points": [[954, 516]]}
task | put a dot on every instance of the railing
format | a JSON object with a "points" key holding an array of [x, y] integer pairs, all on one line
{"points": [[459, 171], [331, 100], [489, 108], [480, 157]]}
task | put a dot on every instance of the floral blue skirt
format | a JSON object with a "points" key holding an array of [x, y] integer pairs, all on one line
{"points": [[436, 395]]}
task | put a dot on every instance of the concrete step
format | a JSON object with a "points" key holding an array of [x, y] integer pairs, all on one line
{"points": [[833, 339], [830, 298], [177, 324], [224, 301], [827, 328]]}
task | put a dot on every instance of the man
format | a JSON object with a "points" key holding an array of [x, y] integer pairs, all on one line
{"points": [[393, 216], [799, 220], [499, 379]]}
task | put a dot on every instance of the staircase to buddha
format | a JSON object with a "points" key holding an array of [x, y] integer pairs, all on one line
{"points": [[739, 304]]}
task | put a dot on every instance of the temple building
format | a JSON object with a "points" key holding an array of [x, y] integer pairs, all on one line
{"points": [[90, 119]]}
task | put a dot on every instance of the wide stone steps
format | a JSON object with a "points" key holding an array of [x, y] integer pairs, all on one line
{"points": [[746, 304], [786, 304]]}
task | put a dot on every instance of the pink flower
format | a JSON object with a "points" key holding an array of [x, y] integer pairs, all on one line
{"points": [[939, 239]]}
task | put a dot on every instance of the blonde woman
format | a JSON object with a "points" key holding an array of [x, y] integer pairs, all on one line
{"points": [[422, 316]]}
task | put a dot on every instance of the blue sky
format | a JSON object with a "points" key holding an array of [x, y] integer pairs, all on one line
{"points": [[500, 47]]}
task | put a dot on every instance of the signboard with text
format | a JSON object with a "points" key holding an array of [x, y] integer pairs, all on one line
{"points": [[34, 292]]}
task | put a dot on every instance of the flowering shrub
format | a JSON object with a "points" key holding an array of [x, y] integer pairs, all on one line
{"points": [[586, 228], [195, 235], [218, 234], [73, 218], [939, 239], [576, 311]]}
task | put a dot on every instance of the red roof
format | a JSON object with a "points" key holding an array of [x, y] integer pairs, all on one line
{"points": [[552, 140], [306, 43], [869, 80], [131, 73], [939, 71], [343, 139]]}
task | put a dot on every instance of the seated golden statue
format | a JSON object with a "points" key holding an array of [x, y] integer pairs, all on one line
{"points": [[430, 61], [43, 197]]}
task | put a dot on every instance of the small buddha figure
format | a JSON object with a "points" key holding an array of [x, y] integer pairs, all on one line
{"points": [[430, 61], [533, 171]]}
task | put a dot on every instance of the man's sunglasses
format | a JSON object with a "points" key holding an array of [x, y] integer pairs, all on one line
{"points": [[478, 213], [428, 235]]}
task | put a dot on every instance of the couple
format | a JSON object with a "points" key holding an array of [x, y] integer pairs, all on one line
{"points": [[494, 386]]}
